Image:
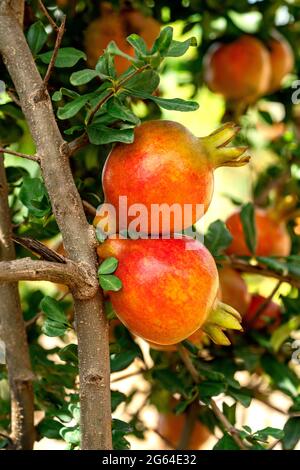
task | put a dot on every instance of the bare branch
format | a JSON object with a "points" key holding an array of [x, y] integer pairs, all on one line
{"points": [[12, 332], [74, 275], [49, 18], [39, 248], [34, 158], [259, 268], [59, 37], [78, 236], [89, 208], [78, 143]]}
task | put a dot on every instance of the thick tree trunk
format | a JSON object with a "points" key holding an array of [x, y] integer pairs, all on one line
{"points": [[12, 332], [78, 235]]}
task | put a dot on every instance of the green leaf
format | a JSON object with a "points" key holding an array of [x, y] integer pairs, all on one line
{"points": [[15, 173], [178, 48], [230, 412], [71, 435], [69, 354], [272, 263], [208, 389], [58, 95], [169, 380], [36, 37], [247, 215], [243, 396], [66, 57], [175, 104], [217, 238], [138, 44], [291, 433], [119, 111], [100, 134], [163, 42], [109, 310], [34, 196], [281, 375], [108, 266], [52, 328], [283, 332], [49, 428], [72, 108], [142, 84], [226, 443], [122, 360], [116, 399], [83, 76], [109, 282], [113, 49], [53, 310], [263, 434]]}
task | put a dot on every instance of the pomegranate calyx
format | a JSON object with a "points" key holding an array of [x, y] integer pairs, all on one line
{"points": [[222, 317], [215, 145]]}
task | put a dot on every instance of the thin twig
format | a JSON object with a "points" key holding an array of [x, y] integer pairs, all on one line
{"points": [[13, 97], [127, 376], [114, 91], [89, 208], [266, 302], [34, 158], [217, 412], [59, 37], [49, 18], [244, 266], [78, 143], [39, 248]]}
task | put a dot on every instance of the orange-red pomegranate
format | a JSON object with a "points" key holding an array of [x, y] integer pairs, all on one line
{"points": [[234, 290], [240, 70], [170, 427], [282, 60], [169, 286], [272, 236], [167, 165], [269, 317]]}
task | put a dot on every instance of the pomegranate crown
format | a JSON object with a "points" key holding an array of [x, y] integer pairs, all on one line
{"points": [[215, 145]]}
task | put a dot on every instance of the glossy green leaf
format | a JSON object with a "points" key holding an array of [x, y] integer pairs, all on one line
{"points": [[247, 215], [83, 76], [108, 266], [66, 57], [100, 134], [109, 282], [217, 238], [36, 37]]}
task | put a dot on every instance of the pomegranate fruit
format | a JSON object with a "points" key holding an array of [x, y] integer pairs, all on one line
{"points": [[240, 70], [196, 338], [162, 299], [169, 289], [234, 290], [168, 166], [259, 316], [272, 236], [282, 60], [170, 427]]}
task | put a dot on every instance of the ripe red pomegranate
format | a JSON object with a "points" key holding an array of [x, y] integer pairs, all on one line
{"points": [[167, 165], [240, 70], [257, 319], [272, 236], [282, 60], [169, 286], [234, 290]]}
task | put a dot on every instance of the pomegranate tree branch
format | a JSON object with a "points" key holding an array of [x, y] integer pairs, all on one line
{"points": [[259, 268], [74, 275], [12, 332], [34, 158], [78, 236], [59, 37], [48, 16], [186, 359]]}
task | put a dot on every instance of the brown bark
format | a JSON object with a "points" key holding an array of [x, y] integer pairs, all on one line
{"points": [[78, 237], [12, 332]]}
